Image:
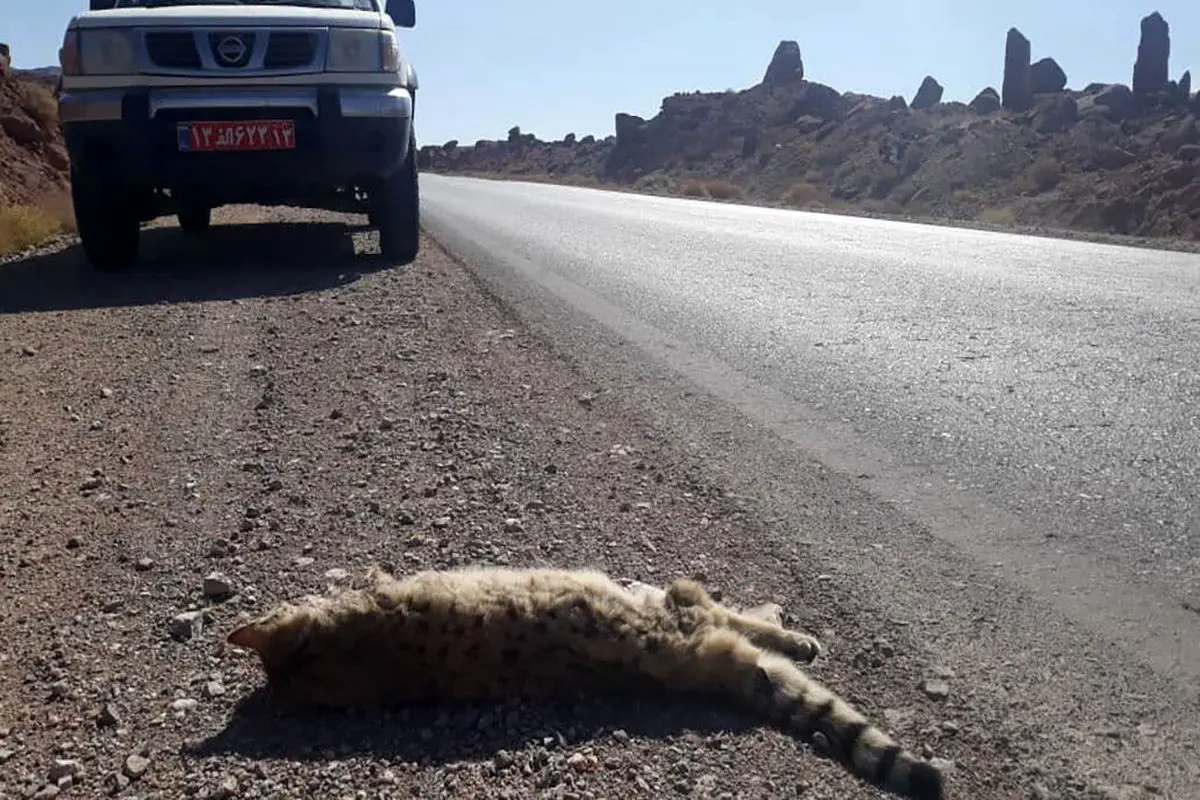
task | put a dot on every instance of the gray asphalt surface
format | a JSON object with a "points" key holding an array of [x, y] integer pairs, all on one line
{"points": [[1034, 403]]}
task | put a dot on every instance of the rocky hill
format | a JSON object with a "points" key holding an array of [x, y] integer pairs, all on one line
{"points": [[1122, 159], [33, 161]]}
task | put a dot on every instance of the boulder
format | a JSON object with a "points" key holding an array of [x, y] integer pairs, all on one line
{"points": [[1046, 77], [1056, 115], [786, 65], [897, 103], [1184, 88], [928, 95], [569, 139], [1118, 99], [1153, 55], [450, 146], [5, 58], [986, 102], [22, 129], [630, 128], [588, 139], [1016, 93], [514, 134]]}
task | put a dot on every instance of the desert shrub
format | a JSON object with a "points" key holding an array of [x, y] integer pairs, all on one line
{"points": [[693, 189], [25, 226], [1045, 173], [724, 190], [39, 103], [874, 205], [802, 194], [1001, 215]]}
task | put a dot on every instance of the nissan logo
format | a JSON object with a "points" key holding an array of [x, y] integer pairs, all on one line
{"points": [[231, 50]]}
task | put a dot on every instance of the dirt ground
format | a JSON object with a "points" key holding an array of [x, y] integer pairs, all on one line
{"points": [[274, 424]]}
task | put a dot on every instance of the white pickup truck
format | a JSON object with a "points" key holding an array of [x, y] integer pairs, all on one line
{"points": [[181, 106]]}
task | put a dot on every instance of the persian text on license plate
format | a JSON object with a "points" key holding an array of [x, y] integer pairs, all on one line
{"points": [[239, 135]]}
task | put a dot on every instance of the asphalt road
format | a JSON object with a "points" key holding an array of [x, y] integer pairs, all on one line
{"points": [[1035, 403]]}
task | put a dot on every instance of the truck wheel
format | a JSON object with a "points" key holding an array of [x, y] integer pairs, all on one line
{"points": [[194, 219], [396, 211], [107, 221]]}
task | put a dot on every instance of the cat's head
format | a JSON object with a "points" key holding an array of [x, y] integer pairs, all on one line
{"points": [[297, 643]]}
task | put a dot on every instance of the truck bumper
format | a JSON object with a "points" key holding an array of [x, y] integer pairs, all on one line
{"points": [[344, 137]]}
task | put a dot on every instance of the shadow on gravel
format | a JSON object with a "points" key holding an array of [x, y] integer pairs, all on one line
{"points": [[432, 735], [224, 263]]}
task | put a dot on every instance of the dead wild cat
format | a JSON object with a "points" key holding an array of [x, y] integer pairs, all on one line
{"points": [[487, 633]]}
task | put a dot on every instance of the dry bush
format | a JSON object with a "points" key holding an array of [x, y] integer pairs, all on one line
{"points": [[1045, 173], [724, 190], [693, 189], [884, 207], [39, 103], [1002, 215], [23, 226], [802, 194]]}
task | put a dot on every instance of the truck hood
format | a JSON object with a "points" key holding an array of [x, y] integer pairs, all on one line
{"points": [[231, 16]]}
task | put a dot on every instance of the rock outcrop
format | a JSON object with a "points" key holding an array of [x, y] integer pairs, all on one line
{"points": [[1185, 87], [786, 65], [1016, 93], [1046, 77], [1056, 114], [986, 102], [5, 58], [629, 128], [928, 95], [1100, 159], [1153, 56]]}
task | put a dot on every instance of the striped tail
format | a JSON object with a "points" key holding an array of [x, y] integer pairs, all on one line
{"points": [[812, 713]]}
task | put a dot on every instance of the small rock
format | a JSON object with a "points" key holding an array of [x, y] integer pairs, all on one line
{"points": [[337, 575], [583, 763], [214, 689], [91, 484], [6, 755], [46, 792], [108, 717], [74, 543], [27, 350], [144, 564], [936, 688], [116, 782], [187, 625], [216, 586], [513, 525], [621, 736], [59, 690], [135, 766], [304, 561], [183, 705], [226, 789], [64, 768], [106, 392]]}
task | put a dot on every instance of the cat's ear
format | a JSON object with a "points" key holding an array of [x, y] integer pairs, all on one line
{"points": [[252, 636]]}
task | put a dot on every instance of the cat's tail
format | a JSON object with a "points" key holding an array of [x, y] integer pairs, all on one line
{"points": [[806, 709]]}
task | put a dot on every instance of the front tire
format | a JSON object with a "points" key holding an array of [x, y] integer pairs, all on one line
{"points": [[107, 220], [396, 210], [194, 219]]}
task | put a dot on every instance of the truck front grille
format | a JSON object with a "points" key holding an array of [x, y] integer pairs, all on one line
{"points": [[172, 49], [290, 49]]}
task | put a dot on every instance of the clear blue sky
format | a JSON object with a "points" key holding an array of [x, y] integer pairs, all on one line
{"points": [[556, 67]]}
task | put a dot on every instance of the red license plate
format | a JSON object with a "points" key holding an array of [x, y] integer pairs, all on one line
{"points": [[239, 135]]}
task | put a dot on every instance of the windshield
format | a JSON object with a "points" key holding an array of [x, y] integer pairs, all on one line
{"points": [[357, 5]]}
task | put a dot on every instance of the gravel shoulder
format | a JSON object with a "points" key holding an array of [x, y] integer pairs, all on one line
{"points": [[275, 428]]}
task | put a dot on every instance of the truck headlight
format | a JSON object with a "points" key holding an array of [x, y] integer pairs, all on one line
{"points": [[362, 50], [106, 51]]}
